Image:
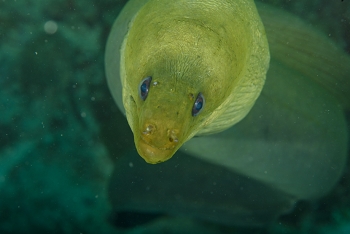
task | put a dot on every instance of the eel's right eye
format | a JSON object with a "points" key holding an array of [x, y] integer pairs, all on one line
{"points": [[144, 87]]}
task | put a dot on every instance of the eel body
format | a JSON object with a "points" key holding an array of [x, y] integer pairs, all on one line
{"points": [[288, 133]]}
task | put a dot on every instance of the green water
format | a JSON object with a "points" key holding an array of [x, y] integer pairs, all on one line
{"points": [[64, 145]]}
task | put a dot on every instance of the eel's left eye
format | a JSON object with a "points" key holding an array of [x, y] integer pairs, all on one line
{"points": [[144, 87], [198, 104]]}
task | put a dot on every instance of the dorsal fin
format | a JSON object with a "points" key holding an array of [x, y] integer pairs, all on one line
{"points": [[308, 51]]}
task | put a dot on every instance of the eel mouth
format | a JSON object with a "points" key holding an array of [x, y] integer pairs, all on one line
{"points": [[142, 138], [152, 154]]}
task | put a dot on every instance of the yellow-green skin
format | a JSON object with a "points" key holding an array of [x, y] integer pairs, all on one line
{"points": [[295, 137], [189, 47]]}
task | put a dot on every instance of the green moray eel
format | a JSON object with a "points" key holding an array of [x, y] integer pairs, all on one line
{"points": [[180, 69], [205, 50]]}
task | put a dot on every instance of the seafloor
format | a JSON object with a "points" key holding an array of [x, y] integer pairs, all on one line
{"points": [[59, 125]]}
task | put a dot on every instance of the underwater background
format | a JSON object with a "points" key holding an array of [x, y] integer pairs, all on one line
{"points": [[61, 134]]}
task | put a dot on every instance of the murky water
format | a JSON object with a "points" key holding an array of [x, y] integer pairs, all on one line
{"points": [[67, 154]]}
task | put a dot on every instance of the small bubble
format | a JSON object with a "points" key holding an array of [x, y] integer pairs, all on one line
{"points": [[50, 27], [93, 99], [131, 164], [83, 114]]}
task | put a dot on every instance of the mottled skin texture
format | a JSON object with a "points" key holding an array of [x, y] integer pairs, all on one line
{"points": [[293, 141], [190, 47]]}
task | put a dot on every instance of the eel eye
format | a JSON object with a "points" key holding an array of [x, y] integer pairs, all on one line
{"points": [[144, 87], [198, 104]]}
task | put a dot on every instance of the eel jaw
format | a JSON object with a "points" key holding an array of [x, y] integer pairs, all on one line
{"points": [[152, 154]]}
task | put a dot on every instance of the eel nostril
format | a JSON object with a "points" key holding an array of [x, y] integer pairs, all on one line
{"points": [[173, 139], [172, 136], [149, 129]]}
